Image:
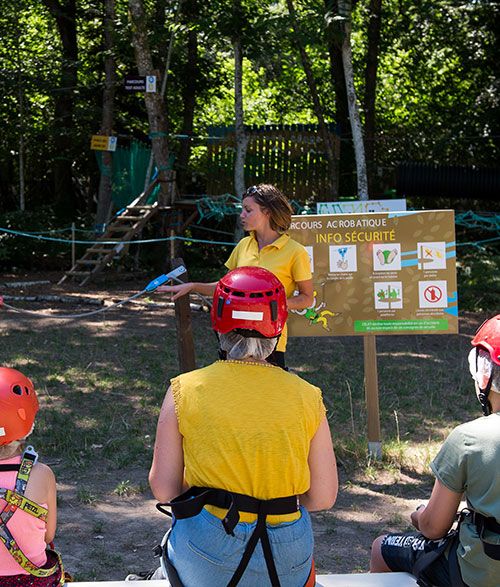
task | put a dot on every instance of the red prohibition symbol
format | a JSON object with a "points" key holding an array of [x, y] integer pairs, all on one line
{"points": [[433, 294]]}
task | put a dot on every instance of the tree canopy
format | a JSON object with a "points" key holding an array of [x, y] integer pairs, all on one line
{"points": [[435, 96]]}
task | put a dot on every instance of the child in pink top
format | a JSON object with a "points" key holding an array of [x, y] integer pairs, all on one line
{"points": [[27, 525]]}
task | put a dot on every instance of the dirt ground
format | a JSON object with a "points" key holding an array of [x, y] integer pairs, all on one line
{"points": [[114, 535]]}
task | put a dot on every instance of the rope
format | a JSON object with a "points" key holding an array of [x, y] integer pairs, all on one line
{"points": [[227, 204], [151, 287], [101, 242], [73, 316]]}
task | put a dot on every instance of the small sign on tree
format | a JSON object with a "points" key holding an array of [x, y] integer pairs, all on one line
{"points": [[140, 83], [103, 143]]}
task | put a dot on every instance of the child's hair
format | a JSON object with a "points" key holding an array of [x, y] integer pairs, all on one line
{"points": [[270, 198], [14, 448]]}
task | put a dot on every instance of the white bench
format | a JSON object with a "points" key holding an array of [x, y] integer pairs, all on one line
{"points": [[354, 580]]}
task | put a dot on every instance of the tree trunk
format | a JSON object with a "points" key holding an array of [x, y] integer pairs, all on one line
{"points": [[357, 133], [104, 203], [374, 24], [346, 158], [166, 69], [189, 89], [317, 106], [64, 13], [240, 134], [154, 103]]}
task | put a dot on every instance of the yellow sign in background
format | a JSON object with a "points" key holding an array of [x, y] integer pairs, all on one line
{"points": [[379, 273]]}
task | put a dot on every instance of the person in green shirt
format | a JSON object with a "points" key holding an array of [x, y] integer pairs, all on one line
{"points": [[466, 468]]}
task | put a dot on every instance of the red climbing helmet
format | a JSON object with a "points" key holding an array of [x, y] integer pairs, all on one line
{"points": [[249, 299], [488, 337], [18, 405]]}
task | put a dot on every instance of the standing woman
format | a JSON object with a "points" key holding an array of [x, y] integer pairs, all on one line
{"points": [[266, 214]]}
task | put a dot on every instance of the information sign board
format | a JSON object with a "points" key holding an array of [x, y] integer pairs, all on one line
{"points": [[135, 83], [151, 83], [360, 206], [379, 273], [140, 83], [103, 143]]}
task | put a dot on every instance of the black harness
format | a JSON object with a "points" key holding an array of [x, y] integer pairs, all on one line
{"points": [[191, 502], [483, 523], [451, 542]]}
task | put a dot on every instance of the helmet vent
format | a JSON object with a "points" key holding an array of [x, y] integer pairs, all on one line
{"points": [[17, 389], [239, 294], [26, 391], [256, 295], [220, 305]]}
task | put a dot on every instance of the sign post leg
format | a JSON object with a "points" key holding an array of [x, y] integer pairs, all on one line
{"points": [[371, 395]]}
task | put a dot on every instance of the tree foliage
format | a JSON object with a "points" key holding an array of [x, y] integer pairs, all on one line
{"points": [[436, 85]]}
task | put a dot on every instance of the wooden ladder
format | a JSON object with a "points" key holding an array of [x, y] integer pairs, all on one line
{"points": [[112, 244]]}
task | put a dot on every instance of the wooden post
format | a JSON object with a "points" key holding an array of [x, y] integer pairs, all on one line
{"points": [[371, 395], [185, 342]]}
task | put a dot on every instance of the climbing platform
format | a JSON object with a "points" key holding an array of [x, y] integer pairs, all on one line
{"points": [[112, 244]]}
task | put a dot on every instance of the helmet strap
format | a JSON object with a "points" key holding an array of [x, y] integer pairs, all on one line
{"points": [[483, 394]]}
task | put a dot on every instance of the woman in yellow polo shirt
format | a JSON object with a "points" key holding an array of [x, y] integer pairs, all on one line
{"points": [[266, 214], [243, 452]]}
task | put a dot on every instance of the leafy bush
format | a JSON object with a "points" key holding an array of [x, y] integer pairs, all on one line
{"points": [[478, 273]]}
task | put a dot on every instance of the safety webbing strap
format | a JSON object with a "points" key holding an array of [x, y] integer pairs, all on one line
{"points": [[191, 503], [5, 468], [28, 460], [20, 502], [424, 561], [483, 523], [16, 500], [455, 574]]}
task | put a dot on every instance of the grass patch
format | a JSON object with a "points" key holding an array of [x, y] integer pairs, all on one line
{"points": [[101, 385]]}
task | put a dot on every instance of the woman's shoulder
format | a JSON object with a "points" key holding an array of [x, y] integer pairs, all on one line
{"points": [[245, 241], [197, 374], [42, 483], [294, 245], [294, 380], [42, 472]]}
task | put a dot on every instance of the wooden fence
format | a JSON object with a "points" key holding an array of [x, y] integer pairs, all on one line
{"points": [[291, 157]]}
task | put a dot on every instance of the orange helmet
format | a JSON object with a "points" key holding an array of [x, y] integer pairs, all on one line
{"points": [[18, 405], [251, 301]]}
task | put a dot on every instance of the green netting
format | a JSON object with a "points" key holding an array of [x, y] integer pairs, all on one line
{"points": [[130, 165]]}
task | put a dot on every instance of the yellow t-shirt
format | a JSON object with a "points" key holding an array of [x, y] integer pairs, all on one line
{"points": [[286, 258], [247, 428]]}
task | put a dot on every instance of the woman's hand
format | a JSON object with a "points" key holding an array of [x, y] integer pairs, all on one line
{"points": [[414, 516], [177, 291]]}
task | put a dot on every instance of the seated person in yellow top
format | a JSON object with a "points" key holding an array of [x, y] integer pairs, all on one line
{"points": [[251, 445], [266, 214]]}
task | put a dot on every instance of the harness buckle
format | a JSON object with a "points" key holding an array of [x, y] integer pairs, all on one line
{"points": [[31, 454]]}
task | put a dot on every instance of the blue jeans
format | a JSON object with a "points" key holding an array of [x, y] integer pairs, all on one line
{"points": [[205, 556]]}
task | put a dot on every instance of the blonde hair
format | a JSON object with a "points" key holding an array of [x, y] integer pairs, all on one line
{"points": [[240, 347], [14, 448], [271, 199]]}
